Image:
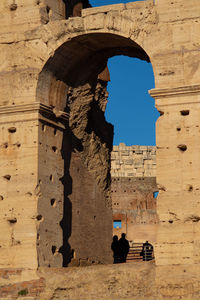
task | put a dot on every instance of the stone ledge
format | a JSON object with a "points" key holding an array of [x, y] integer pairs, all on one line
{"points": [[103, 9], [174, 92], [35, 106], [116, 7], [46, 112]]}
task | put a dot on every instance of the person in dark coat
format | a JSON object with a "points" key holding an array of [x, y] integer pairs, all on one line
{"points": [[74, 7], [115, 249], [123, 248], [147, 251]]}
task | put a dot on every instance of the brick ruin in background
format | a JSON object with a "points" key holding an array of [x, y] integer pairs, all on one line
{"points": [[49, 142], [133, 188]]}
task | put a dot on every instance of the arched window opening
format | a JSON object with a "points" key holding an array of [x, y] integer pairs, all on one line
{"points": [[133, 160]]}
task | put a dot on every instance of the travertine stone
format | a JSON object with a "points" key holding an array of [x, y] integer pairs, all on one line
{"points": [[23, 181], [133, 161], [43, 57], [19, 140], [180, 183]]}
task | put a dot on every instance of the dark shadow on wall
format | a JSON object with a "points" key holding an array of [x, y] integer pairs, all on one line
{"points": [[70, 144], [86, 146], [97, 123]]}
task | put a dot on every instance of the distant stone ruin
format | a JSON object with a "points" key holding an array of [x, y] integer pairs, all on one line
{"points": [[133, 189]]}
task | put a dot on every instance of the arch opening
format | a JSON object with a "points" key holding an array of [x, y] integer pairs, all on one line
{"points": [[79, 61], [69, 83], [133, 158]]}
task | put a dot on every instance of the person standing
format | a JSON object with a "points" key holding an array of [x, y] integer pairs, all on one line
{"points": [[115, 249], [123, 248], [147, 251]]}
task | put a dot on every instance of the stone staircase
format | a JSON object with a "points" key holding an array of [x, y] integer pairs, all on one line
{"points": [[134, 252]]}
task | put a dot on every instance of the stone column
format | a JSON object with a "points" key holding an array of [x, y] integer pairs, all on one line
{"points": [[18, 181], [31, 194], [178, 166]]}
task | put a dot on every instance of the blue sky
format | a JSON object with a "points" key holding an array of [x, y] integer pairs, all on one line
{"points": [[108, 2], [130, 108]]}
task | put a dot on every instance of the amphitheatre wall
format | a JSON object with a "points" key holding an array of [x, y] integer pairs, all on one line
{"points": [[46, 138]]}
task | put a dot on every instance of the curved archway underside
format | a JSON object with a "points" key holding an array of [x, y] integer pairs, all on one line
{"points": [[84, 57]]}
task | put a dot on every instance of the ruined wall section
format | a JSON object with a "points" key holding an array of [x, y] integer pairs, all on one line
{"points": [[169, 33], [133, 161], [89, 198], [74, 181], [133, 186], [19, 16], [92, 134], [91, 223]]}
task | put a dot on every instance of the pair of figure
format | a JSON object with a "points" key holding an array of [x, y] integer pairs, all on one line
{"points": [[120, 248]]}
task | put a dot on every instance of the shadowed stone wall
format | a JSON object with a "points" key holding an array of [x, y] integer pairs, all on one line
{"points": [[88, 186]]}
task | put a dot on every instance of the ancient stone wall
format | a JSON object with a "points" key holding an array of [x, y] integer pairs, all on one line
{"points": [[89, 237], [41, 60], [50, 193], [133, 161], [73, 186], [88, 192], [18, 199], [18, 16], [133, 170], [63, 191]]}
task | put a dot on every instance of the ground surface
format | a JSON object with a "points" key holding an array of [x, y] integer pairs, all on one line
{"points": [[131, 281]]}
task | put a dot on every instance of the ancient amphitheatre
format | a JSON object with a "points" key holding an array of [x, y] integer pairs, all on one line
{"points": [[55, 152]]}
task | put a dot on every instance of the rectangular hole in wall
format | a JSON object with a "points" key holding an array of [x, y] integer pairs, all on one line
{"points": [[117, 224]]}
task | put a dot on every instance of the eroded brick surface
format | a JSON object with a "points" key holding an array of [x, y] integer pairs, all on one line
{"points": [[25, 289]]}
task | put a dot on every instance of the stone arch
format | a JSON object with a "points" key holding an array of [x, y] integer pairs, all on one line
{"points": [[71, 74], [129, 34], [78, 61]]}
